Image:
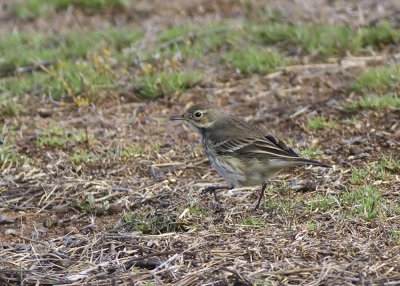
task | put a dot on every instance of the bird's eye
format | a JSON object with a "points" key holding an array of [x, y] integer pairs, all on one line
{"points": [[198, 114]]}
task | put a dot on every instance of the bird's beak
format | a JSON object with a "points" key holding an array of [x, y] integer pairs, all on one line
{"points": [[177, 117]]}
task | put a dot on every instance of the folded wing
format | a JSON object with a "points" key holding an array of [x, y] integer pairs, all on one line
{"points": [[267, 147]]}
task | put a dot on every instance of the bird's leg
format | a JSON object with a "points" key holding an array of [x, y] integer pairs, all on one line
{"points": [[213, 189], [262, 192]]}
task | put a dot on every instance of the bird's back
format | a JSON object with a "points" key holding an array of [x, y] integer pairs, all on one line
{"points": [[243, 154], [228, 127]]}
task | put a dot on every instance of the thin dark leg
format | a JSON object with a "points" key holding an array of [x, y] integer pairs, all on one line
{"points": [[264, 185], [213, 189]]}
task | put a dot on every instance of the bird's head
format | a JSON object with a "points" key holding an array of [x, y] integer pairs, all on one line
{"points": [[200, 116]]}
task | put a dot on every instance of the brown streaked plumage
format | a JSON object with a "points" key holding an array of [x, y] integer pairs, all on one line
{"points": [[240, 152]]}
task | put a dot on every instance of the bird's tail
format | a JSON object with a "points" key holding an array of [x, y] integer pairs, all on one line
{"points": [[279, 163], [312, 162]]}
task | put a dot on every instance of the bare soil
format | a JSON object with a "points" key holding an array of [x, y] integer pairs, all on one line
{"points": [[47, 236]]}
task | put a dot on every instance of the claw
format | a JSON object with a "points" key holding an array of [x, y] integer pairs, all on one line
{"points": [[212, 190], [209, 190]]}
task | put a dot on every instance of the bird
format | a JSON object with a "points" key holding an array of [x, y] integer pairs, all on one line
{"points": [[239, 151]]}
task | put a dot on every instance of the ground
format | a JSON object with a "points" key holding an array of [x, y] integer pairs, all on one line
{"points": [[98, 187]]}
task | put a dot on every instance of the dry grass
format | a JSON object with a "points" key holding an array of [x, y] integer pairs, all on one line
{"points": [[108, 192]]}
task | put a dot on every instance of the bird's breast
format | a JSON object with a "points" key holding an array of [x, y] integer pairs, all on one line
{"points": [[240, 171], [228, 167]]}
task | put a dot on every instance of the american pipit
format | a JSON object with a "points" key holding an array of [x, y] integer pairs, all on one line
{"points": [[240, 152]]}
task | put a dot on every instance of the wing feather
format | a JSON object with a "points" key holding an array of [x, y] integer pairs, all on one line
{"points": [[267, 147]]}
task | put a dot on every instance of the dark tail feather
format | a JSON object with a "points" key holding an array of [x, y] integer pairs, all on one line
{"points": [[314, 163]]}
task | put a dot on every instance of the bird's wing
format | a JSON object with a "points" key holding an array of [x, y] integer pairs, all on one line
{"points": [[267, 147]]}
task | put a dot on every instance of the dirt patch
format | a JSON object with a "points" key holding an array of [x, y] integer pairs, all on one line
{"points": [[118, 199]]}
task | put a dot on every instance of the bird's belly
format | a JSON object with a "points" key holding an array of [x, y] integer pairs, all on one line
{"points": [[228, 167], [240, 172], [257, 172]]}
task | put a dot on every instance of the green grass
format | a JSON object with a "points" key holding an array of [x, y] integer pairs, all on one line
{"points": [[385, 167], [175, 32], [65, 80], [254, 59], [133, 150], [365, 201], [323, 203], [8, 155], [192, 40], [377, 79], [90, 4], [9, 105], [320, 122], [50, 140], [28, 48], [90, 206], [83, 156], [390, 163], [31, 9], [395, 235], [382, 34], [379, 170], [157, 84], [358, 175], [32, 83], [154, 221], [179, 44], [191, 47], [81, 62], [322, 40], [72, 79], [196, 210], [312, 225], [374, 102], [283, 206], [59, 137], [314, 39], [91, 64], [352, 121], [262, 282], [251, 220], [310, 152], [325, 40]]}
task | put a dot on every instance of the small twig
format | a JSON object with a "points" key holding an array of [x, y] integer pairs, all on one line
{"points": [[242, 279], [33, 67], [164, 253], [117, 189], [195, 34], [24, 69], [309, 66], [344, 63], [29, 239], [15, 270], [293, 271], [300, 111]]}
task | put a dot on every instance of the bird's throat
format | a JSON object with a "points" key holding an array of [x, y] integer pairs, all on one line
{"points": [[199, 130]]}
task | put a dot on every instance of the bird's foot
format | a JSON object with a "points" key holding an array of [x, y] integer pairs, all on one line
{"points": [[209, 190], [213, 190]]}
